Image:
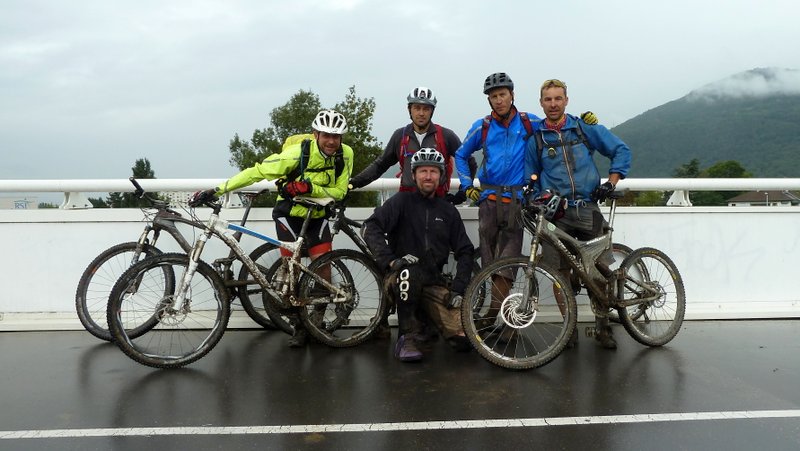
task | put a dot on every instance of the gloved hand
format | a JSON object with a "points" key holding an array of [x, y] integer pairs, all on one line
{"points": [[295, 188], [473, 193], [602, 191], [455, 300], [402, 262], [201, 197], [354, 184], [456, 199], [589, 118]]}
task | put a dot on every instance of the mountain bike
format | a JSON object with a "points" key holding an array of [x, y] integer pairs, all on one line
{"points": [[265, 258], [529, 312], [269, 260], [180, 306], [96, 281]]}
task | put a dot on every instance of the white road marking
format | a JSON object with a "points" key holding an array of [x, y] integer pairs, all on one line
{"points": [[405, 426]]}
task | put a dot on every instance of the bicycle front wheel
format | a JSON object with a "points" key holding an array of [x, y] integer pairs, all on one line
{"points": [[519, 318], [91, 296], [179, 331], [654, 295], [349, 317]]}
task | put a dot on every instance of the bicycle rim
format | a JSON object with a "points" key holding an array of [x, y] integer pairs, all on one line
{"points": [[510, 329], [176, 334], [658, 317], [344, 321], [96, 282]]}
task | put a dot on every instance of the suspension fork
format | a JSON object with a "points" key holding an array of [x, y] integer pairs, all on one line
{"points": [[194, 259], [143, 240]]}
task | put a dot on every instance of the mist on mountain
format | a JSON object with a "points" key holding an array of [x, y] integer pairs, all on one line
{"points": [[752, 117]]}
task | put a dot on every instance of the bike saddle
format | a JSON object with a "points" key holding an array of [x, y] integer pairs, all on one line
{"points": [[314, 201]]}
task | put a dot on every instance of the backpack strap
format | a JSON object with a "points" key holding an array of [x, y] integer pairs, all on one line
{"points": [[581, 139], [305, 155], [442, 189], [401, 153]]}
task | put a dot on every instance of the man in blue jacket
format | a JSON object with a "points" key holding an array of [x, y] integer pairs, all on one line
{"points": [[560, 155], [502, 136]]}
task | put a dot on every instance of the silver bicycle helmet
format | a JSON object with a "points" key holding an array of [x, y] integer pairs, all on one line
{"points": [[553, 204], [330, 121], [497, 80], [427, 156], [422, 95]]}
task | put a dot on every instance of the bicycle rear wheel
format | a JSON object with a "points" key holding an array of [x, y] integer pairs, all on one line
{"points": [[180, 334], [620, 251], [650, 276], [524, 320], [91, 296], [259, 305], [349, 320]]}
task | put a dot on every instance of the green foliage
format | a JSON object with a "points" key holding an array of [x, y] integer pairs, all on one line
{"points": [[47, 205], [366, 148], [98, 202], [650, 199], [295, 117], [759, 132], [688, 170], [292, 118], [141, 170], [723, 169]]}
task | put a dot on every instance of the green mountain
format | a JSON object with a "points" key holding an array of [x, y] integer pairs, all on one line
{"points": [[752, 117]]}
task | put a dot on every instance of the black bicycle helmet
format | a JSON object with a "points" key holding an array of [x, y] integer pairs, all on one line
{"points": [[553, 204], [497, 80]]}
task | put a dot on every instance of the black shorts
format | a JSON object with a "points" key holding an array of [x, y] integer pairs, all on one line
{"points": [[288, 229]]}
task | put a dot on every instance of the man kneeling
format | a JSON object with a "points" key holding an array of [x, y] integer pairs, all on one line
{"points": [[422, 229]]}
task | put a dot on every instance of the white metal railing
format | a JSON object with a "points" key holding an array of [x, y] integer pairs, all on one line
{"points": [[73, 189], [737, 262]]}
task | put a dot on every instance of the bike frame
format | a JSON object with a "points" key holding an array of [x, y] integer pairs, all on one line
{"points": [[582, 259], [220, 228]]}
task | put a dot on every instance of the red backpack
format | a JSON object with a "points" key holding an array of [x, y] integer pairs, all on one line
{"points": [[440, 146]]}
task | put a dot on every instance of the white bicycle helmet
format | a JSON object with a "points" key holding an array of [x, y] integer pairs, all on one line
{"points": [[330, 121], [422, 95], [427, 157]]}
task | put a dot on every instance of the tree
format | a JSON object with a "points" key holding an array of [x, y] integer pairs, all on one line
{"points": [[141, 170], [689, 170], [650, 199], [295, 117], [723, 169], [98, 202], [366, 148]]}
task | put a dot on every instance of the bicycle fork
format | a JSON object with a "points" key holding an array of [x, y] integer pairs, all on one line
{"points": [[181, 301]]}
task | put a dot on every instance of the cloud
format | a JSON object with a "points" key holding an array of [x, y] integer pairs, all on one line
{"points": [[759, 82]]}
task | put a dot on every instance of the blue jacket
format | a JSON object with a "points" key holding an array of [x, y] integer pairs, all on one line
{"points": [[503, 158], [580, 177]]}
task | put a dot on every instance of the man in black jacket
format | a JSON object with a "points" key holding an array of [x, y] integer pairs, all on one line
{"points": [[422, 229], [406, 140]]}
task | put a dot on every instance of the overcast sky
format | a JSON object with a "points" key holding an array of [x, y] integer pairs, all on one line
{"points": [[88, 87]]}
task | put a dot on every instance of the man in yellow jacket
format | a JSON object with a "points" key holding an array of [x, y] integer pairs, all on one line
{"points": [[323, 169]]}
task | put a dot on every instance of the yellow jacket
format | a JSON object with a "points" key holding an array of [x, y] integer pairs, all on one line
{"points": [[323, 183]]}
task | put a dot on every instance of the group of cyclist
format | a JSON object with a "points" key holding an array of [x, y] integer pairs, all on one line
{"points": [[413, 233]]}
